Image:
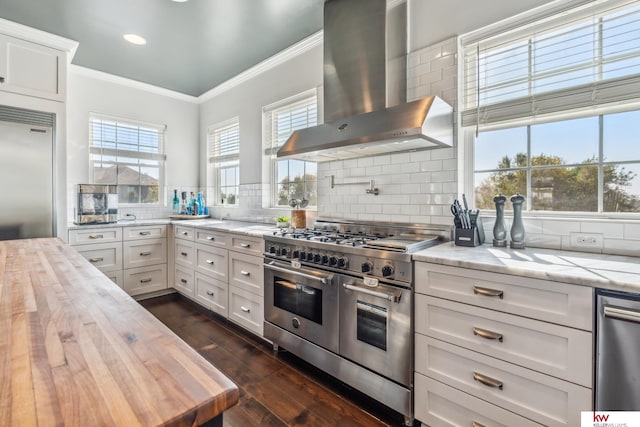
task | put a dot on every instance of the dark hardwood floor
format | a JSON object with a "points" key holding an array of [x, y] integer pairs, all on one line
{"points": [[276, 389]]}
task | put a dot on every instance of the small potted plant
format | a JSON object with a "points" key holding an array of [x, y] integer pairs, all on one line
{"points": [[282, 222]]}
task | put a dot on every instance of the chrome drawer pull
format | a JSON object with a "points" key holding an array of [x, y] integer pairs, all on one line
{"points": [[245, 245], [97, 259], [145, 280], [244, 273], [144, 233], [208, 261], [490, 335], [147, 253], [488, 381], [389, 297], [622, 314], [245, 309], [210, 293], [183, 280], [96, 236], [488, 292], [324, 280], [184, 233], [477, 424], [211, 238], [184, 253]]}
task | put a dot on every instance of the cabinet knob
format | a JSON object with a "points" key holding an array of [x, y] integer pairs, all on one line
{"points": [[184, 233], [244, 273], [145, 280], [183, 253], [97, 259], [210, 293], [96, 236], [147, 253], [489, 335], [208, 261], [245, 245], [488, 292], [183, 281], [144, 233], [245, 309], [488, 381], [211, 238]]}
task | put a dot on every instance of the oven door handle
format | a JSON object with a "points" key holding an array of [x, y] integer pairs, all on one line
{"points": [[322, 279], [389, 297]]}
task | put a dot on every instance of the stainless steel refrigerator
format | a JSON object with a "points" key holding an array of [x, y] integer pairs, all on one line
{"points": [[26, 180]]}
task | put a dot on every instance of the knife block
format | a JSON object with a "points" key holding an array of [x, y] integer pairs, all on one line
{"points": [[473, 236], [298, 218]]}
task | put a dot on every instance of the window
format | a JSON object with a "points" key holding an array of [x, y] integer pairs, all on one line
{"points": [[223, 146], [130, 155], [553, 107], [291, 178]]}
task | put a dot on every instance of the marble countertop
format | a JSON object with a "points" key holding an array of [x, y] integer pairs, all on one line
{"points": [[597, 270], [240, 227]]}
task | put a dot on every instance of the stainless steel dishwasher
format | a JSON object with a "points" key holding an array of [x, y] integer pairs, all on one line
{"points": [[617, 382]]}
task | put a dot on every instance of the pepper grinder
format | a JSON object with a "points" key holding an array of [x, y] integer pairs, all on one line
{"points": [[499, 229], [517, 228]]}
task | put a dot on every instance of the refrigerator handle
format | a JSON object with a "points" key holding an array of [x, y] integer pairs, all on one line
{"points": [[622, 314]]}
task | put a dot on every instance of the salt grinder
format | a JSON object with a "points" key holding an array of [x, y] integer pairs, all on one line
{"points": [[499, 229], [517, 228]]}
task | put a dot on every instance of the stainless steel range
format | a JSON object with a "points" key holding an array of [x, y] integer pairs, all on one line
{"points": [[340, 296]]}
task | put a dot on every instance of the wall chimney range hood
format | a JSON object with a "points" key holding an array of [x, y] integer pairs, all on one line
{"points": [[365, 108]]}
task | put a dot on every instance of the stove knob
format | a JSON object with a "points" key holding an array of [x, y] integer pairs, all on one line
{"points": [[273, 249], [295, 254], [367, 267], [284, 252], [333, 261], [309, 256], [325, 259], [302, 255], [387, 270], [317, 258], [342, 262]]}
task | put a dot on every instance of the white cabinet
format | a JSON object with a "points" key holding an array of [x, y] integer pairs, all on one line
{"points": [[496, 349], [141, 253], [184, 256], [212, 294], [32, 69], [142, 280], [102, 247]]}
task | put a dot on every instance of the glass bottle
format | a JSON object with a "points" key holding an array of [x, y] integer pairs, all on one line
{"points": [[200, 203], [176, 203]]}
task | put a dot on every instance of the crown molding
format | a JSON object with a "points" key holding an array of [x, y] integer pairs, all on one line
{"points": [[40, 37], [134, 84], [279, 58]]}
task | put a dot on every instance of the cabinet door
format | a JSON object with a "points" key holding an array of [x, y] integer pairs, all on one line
{"points": [[31, 69], [145, 279], [247, 244], [439, 405], [184, 281], [83, 236], [246, 272], [211, 261], [212, 238], [145, 232], [212, 294], [183, 232], [139, 253], [555, 350], [246, 309], [116, 277], [185, 253], [105, 256]]}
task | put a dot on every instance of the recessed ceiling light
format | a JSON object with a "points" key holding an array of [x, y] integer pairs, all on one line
{"points": [[135, 39]]}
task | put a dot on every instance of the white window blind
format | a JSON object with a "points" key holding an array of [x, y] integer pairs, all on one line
{"points": [[128, 154], [282, 120], [584, 58], [223, 147]]}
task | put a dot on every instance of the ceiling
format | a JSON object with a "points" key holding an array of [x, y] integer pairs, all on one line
{"points": [[191, 46]]}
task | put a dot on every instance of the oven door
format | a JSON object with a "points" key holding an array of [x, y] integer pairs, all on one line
{"points": [[375, 328], [303, 301]]}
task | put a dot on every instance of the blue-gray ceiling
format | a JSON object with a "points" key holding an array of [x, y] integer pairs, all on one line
{"points": [[191, 46]]}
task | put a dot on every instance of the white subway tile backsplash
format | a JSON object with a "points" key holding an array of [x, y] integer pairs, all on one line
{"points": [[433, 187], [420, 177], [443, 154], [420, 156], [610, 229], [373, 171], [430, 78], [381, 160], [443, 176], [560, 227], [621, 247], [431, 165], [632, 231]]}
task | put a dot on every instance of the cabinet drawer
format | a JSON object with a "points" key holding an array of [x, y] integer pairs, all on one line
{"points": [[439, 405], [184, 281], [145, 279], [105, 256], [211, 261], [247, 244], [212, 294], [565, 304], [555, 350], [246, 309], [116, 277], [140, 253], [246, 272], [185, 253], [145, 232], [182, 232], [536, 396], [212, 238], [95, 235]]}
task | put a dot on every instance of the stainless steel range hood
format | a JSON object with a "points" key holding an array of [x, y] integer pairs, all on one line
{"points": [[365, 108]]}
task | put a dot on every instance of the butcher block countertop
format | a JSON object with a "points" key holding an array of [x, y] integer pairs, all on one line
{"points": [[76, 350]]}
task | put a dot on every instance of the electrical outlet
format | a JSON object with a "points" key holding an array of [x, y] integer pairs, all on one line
{"points": [[586, 240]]}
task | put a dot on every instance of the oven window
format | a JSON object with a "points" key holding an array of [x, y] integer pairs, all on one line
{"points": [[372, 325], [298, 299]]}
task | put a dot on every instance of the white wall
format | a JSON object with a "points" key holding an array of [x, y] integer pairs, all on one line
{"points": [[88, 92]]}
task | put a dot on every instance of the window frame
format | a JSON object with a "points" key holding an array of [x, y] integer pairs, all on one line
{"points": [[214, 161], [467, 133], [159, 157], [270, 150]]}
